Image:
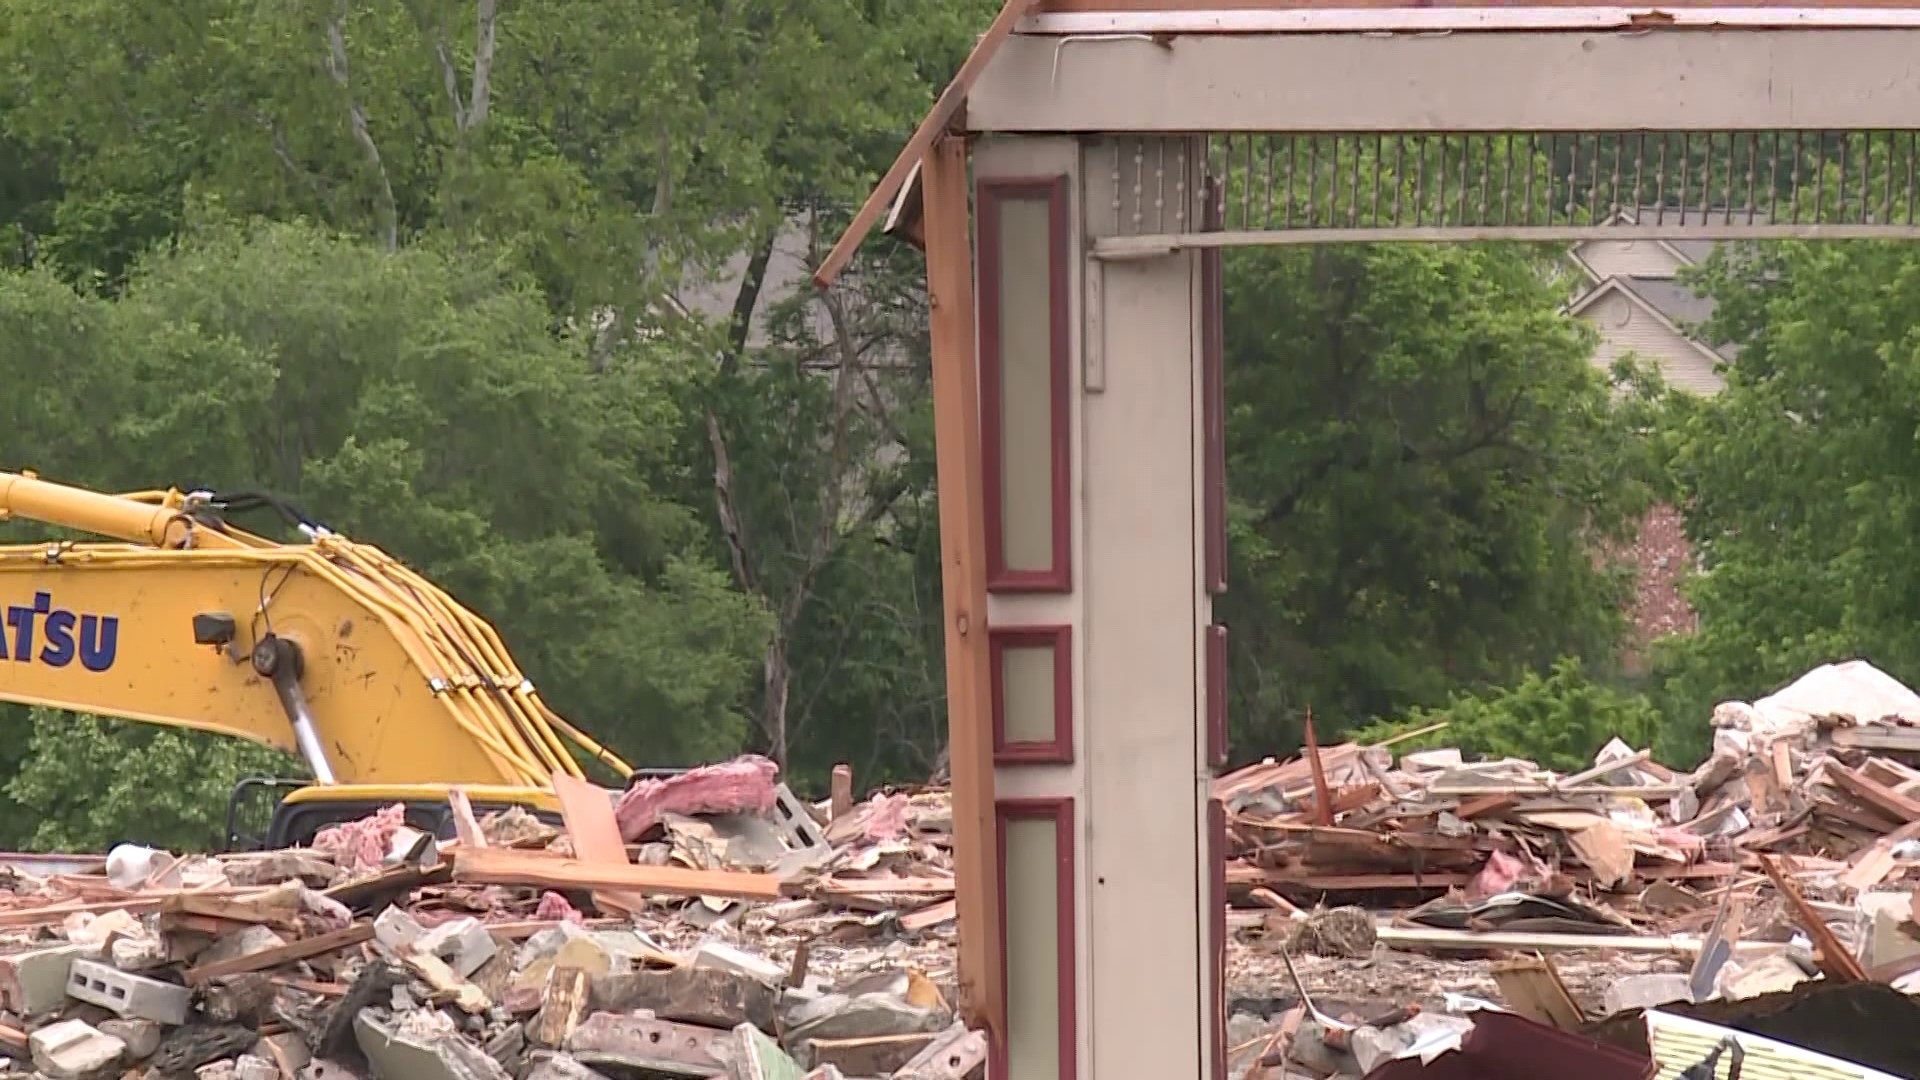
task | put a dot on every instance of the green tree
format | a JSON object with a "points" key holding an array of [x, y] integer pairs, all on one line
{"points": [[1420, 456], [418, 401], [1559, 721], [1803, 476], [77, 792]]}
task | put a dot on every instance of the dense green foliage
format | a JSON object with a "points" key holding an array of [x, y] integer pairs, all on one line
{"points": [[1420, 459], [1559, 721], [1804, 477], [517, 293]]}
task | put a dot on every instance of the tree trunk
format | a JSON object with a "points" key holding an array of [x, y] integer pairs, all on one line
{"points": [[773, 710]]}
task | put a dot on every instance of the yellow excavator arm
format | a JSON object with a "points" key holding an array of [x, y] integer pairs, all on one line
{"points": [[330, 649]]}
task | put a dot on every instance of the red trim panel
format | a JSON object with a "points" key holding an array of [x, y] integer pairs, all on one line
{"points": [[1059, 809], [1213, 344], [1057, 578], [1217, 734], [1217, 855], [1059, 749]]}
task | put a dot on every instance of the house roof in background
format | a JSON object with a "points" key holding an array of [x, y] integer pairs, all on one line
{"points": [[1668, 300]]}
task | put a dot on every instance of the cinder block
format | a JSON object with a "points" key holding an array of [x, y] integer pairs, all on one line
{"points": [[34, 982], [128, 994]]}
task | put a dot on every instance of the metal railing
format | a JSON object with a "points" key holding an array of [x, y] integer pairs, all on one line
{"points": [[1289, 188]]}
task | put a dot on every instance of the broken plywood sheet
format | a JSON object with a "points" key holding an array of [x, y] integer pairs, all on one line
{"points": [[588, 812]]}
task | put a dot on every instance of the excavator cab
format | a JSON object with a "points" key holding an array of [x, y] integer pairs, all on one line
{"points": [[270, 813]]}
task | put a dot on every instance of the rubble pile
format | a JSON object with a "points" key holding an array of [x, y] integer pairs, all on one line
{"points": [[1812, 773], [733, 939], [1393, 913], [1779, 865]]}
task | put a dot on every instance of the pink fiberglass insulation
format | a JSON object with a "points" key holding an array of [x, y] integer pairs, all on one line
{"points": [[555, 907], [743, 785], [361, 845], [886, 817]]}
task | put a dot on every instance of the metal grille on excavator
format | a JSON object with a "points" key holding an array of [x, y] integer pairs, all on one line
{"points": [[1300, 188]]}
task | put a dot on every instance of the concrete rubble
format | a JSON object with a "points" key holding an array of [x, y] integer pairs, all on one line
{"points": [[1391, 914], [729, 938], [1629, 907]]}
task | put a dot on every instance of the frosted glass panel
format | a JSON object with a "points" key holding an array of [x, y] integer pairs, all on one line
{"points": [[1033, 949], [1026, 685], [1026, 384]]}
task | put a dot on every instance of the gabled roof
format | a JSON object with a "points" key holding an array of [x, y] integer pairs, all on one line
{"points": [[1671, 303]]}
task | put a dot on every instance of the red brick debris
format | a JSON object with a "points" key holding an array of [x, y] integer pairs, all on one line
{"points": [[1660, 556]]}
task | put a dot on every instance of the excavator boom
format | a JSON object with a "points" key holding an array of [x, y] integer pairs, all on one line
{"points": [[328, 648]]}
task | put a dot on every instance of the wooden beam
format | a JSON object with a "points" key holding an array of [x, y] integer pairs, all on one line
{"points": [[302, 949], [1050, 6], [931, 126], [499, 866], [963, 580]]}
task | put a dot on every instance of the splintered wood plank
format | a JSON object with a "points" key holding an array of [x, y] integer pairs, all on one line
{"points": [[466, 825], [961, 486], [930, 916], [496, 866], [1899, 807], [1533, 987], [1481, 805], [563, 1008], [304, 949], [1832, 957], [588, 811]]}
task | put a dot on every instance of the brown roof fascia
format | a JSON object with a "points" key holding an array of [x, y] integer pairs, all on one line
{"points": [[1057, 6], [935, 122]]}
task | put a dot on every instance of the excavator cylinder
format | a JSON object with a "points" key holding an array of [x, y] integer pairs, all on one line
{"points": [[137, 522]]}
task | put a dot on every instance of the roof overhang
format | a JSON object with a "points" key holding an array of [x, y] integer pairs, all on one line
{"points": [[1528, 80], [1063, 17], [1161, 66]]}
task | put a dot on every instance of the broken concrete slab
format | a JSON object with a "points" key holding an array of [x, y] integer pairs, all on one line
{"points": [[35, 981], [953, 1055], [253, 939], [397, 929], [1767, 975], [713, 954], [421, 1046], [273, 867], [142, 1037], [139, 953], [865, 1016], [758, 1057], [464, 944], [554, 1065], [73, 1050], [709, 996], [881, 1055], [645, 1042], [249, 1067], [1645, 991]]}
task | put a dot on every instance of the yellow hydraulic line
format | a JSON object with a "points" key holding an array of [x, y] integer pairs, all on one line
{"points": [[527, 742], [481, 639], [28, 496], [586, 741], [511, 762]]}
